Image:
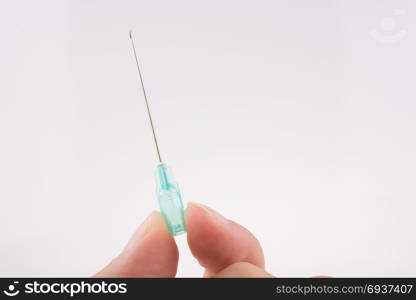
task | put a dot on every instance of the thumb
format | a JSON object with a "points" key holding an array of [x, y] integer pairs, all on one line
{"points": [[217, 242], [151, 252]]}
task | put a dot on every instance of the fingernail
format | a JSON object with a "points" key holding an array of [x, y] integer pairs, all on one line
{"points": [[141, 232], [212, 213]]}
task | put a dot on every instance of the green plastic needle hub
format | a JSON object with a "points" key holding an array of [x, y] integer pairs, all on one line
{"points": [[170, 200]]}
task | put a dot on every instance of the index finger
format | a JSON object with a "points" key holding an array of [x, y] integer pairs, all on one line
{"points": [[217, 242]]}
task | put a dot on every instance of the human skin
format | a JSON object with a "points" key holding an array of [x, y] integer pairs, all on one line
{"points": [[223, 247]]}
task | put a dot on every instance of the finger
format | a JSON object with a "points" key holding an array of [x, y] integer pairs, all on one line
{"points": [[242, 269], [217, 242], [151, 252]]}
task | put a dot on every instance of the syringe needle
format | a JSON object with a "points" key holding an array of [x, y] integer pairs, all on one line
{"points": [[145, 97], [168, 193]]}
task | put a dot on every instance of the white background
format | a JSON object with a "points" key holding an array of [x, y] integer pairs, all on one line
{"points": [[293, 118]]}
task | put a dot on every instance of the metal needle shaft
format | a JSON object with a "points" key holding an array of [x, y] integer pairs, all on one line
{"points": [[145, 97]]}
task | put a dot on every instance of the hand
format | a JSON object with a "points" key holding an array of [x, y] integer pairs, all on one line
{"points": [[223, 247]]}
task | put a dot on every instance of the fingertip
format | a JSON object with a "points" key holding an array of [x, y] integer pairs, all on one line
{"points": [[157, 251], [206, 233], [218, 242], [151, 252]]}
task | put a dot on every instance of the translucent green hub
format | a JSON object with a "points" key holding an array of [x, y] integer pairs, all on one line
{"points": [[170, 200]]}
